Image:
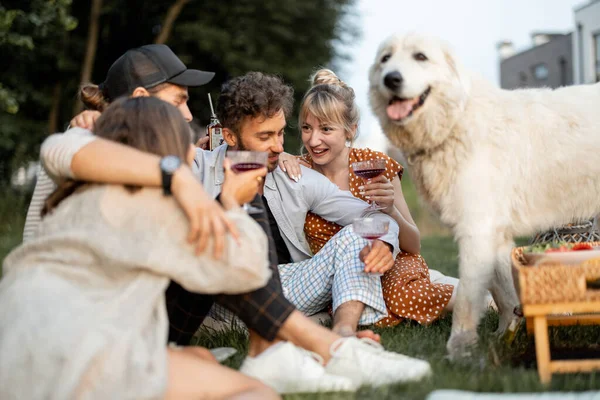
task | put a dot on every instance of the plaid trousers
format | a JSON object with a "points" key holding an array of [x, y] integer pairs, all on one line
{"points": [[263, 310], [335, 274]]}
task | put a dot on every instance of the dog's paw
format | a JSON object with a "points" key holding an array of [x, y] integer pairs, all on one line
{"points": [[462, 345]]}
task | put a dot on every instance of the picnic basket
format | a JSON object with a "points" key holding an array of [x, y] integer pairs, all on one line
{"points": [[555, 294], [554, 283]]}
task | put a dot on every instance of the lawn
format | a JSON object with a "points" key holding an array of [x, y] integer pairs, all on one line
{"points": [[13, 207], [496, 367]]}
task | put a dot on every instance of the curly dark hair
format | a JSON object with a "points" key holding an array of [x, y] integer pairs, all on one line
{"points": [[252, 95]]}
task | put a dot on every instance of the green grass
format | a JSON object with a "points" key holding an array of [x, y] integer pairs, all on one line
{"points": [[13, 207], [496, 366]]}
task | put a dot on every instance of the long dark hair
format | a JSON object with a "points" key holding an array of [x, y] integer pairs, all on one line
{"points": [[145, 123]]}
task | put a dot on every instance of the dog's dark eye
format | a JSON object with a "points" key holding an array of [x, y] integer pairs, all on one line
{"points": [[385, 58], [420, 57]]}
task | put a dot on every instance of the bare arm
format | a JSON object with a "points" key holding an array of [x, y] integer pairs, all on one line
{"points": [[110, 162], [105, 161]]}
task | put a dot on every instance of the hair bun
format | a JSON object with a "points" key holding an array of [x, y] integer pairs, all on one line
{"points": [[327, 77]]}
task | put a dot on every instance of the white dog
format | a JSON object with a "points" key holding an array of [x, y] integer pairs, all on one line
{"points": [[492, 163]]}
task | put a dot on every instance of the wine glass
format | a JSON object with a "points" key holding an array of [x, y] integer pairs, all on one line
{"points": [[242, 161], [370, 229], [368, 170]]}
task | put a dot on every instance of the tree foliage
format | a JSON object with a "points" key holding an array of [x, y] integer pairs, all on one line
{"points": [[44, 43]]}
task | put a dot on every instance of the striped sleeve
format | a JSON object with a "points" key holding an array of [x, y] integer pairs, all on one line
{"points": [[56, 154], [43, 188], [58, 151]]}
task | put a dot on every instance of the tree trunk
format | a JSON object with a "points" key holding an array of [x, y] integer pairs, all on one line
{"points": [[90, 54], [53, 115], [169, 21]]}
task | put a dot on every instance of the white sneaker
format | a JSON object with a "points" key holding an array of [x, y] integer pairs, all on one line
{"points": [[290, 369], [365, 362]]}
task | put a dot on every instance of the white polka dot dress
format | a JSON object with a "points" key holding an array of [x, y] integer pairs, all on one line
{"points": [[407, 287]]}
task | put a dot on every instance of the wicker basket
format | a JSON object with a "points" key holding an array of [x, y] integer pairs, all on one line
{"points": [[586, 231], [554, 283]]}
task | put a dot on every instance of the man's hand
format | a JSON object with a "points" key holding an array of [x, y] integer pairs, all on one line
{"points": [[207, 217], [377, 259], [240, 188], [203, 143], [85, 119]]}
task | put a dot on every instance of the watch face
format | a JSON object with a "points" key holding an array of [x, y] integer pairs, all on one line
{"points": [[169, 164]]}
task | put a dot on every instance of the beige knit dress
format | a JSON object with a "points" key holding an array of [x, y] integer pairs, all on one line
{"points": [[82, 305]]}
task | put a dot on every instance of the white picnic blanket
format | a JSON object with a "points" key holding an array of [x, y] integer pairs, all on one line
{"points": [[464, 395]]}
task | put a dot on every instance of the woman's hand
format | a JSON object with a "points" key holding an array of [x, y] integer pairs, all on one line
{"points": [[291, 165], [242, 187], [85, 119], [207, 217], [381, 191], [378, 258]]}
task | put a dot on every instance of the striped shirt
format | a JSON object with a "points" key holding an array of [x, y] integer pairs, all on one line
{"points": [[55, 166]]}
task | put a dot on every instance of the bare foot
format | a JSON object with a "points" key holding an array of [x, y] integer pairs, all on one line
{"points": [[367, 333]]}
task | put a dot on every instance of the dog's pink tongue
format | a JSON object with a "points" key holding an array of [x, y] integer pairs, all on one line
{"points": [[400, 109]]}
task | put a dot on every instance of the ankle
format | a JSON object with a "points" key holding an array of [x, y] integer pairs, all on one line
{"points": [[344, 330]]}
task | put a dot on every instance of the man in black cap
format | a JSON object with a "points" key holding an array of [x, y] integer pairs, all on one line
{"points": [[151, 70]]}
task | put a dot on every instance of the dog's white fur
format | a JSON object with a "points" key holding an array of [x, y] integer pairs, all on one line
{"points": [[492, 163]]}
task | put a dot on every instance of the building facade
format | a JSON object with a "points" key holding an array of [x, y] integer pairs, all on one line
{"points": [[586, 43], [548, 63]]}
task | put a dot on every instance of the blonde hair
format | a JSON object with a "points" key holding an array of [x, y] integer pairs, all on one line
{"points": [[330, 100]]}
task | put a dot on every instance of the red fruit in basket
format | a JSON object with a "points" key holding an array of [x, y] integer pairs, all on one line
{"points": [[560, 249], [582, 246]]}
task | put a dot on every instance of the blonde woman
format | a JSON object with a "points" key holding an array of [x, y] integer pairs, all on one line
{"points": [[328, 121]]}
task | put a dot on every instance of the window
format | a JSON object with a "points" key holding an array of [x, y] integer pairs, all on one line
{"points": [[540, 72], [562, 64], [597, 55]]}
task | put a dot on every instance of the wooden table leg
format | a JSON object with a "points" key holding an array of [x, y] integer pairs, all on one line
{"points": [[529, 325], [542, 348]]}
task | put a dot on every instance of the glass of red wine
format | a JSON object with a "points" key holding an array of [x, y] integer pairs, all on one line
{"points": [[243, 161], [368, 170], [370, 229]]}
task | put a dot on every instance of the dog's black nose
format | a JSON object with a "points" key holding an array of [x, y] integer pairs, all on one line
{"points": [[393, 80]]}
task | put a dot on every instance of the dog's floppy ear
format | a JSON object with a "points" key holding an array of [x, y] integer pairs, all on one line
{"points": [[456, 68]]}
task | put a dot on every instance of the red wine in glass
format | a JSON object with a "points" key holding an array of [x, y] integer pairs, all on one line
{"points": [[246, 166], [368, 170], [369, 173], [371, 236], [243, 161], [370, 229]]}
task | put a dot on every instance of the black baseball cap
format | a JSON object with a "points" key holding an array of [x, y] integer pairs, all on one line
{"points": [[148, 66]]}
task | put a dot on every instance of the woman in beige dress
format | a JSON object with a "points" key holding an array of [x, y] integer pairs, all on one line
{"points": [[83, 303]]}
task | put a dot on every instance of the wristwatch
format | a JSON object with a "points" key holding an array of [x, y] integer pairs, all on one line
{"points": [[168, 166]]}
